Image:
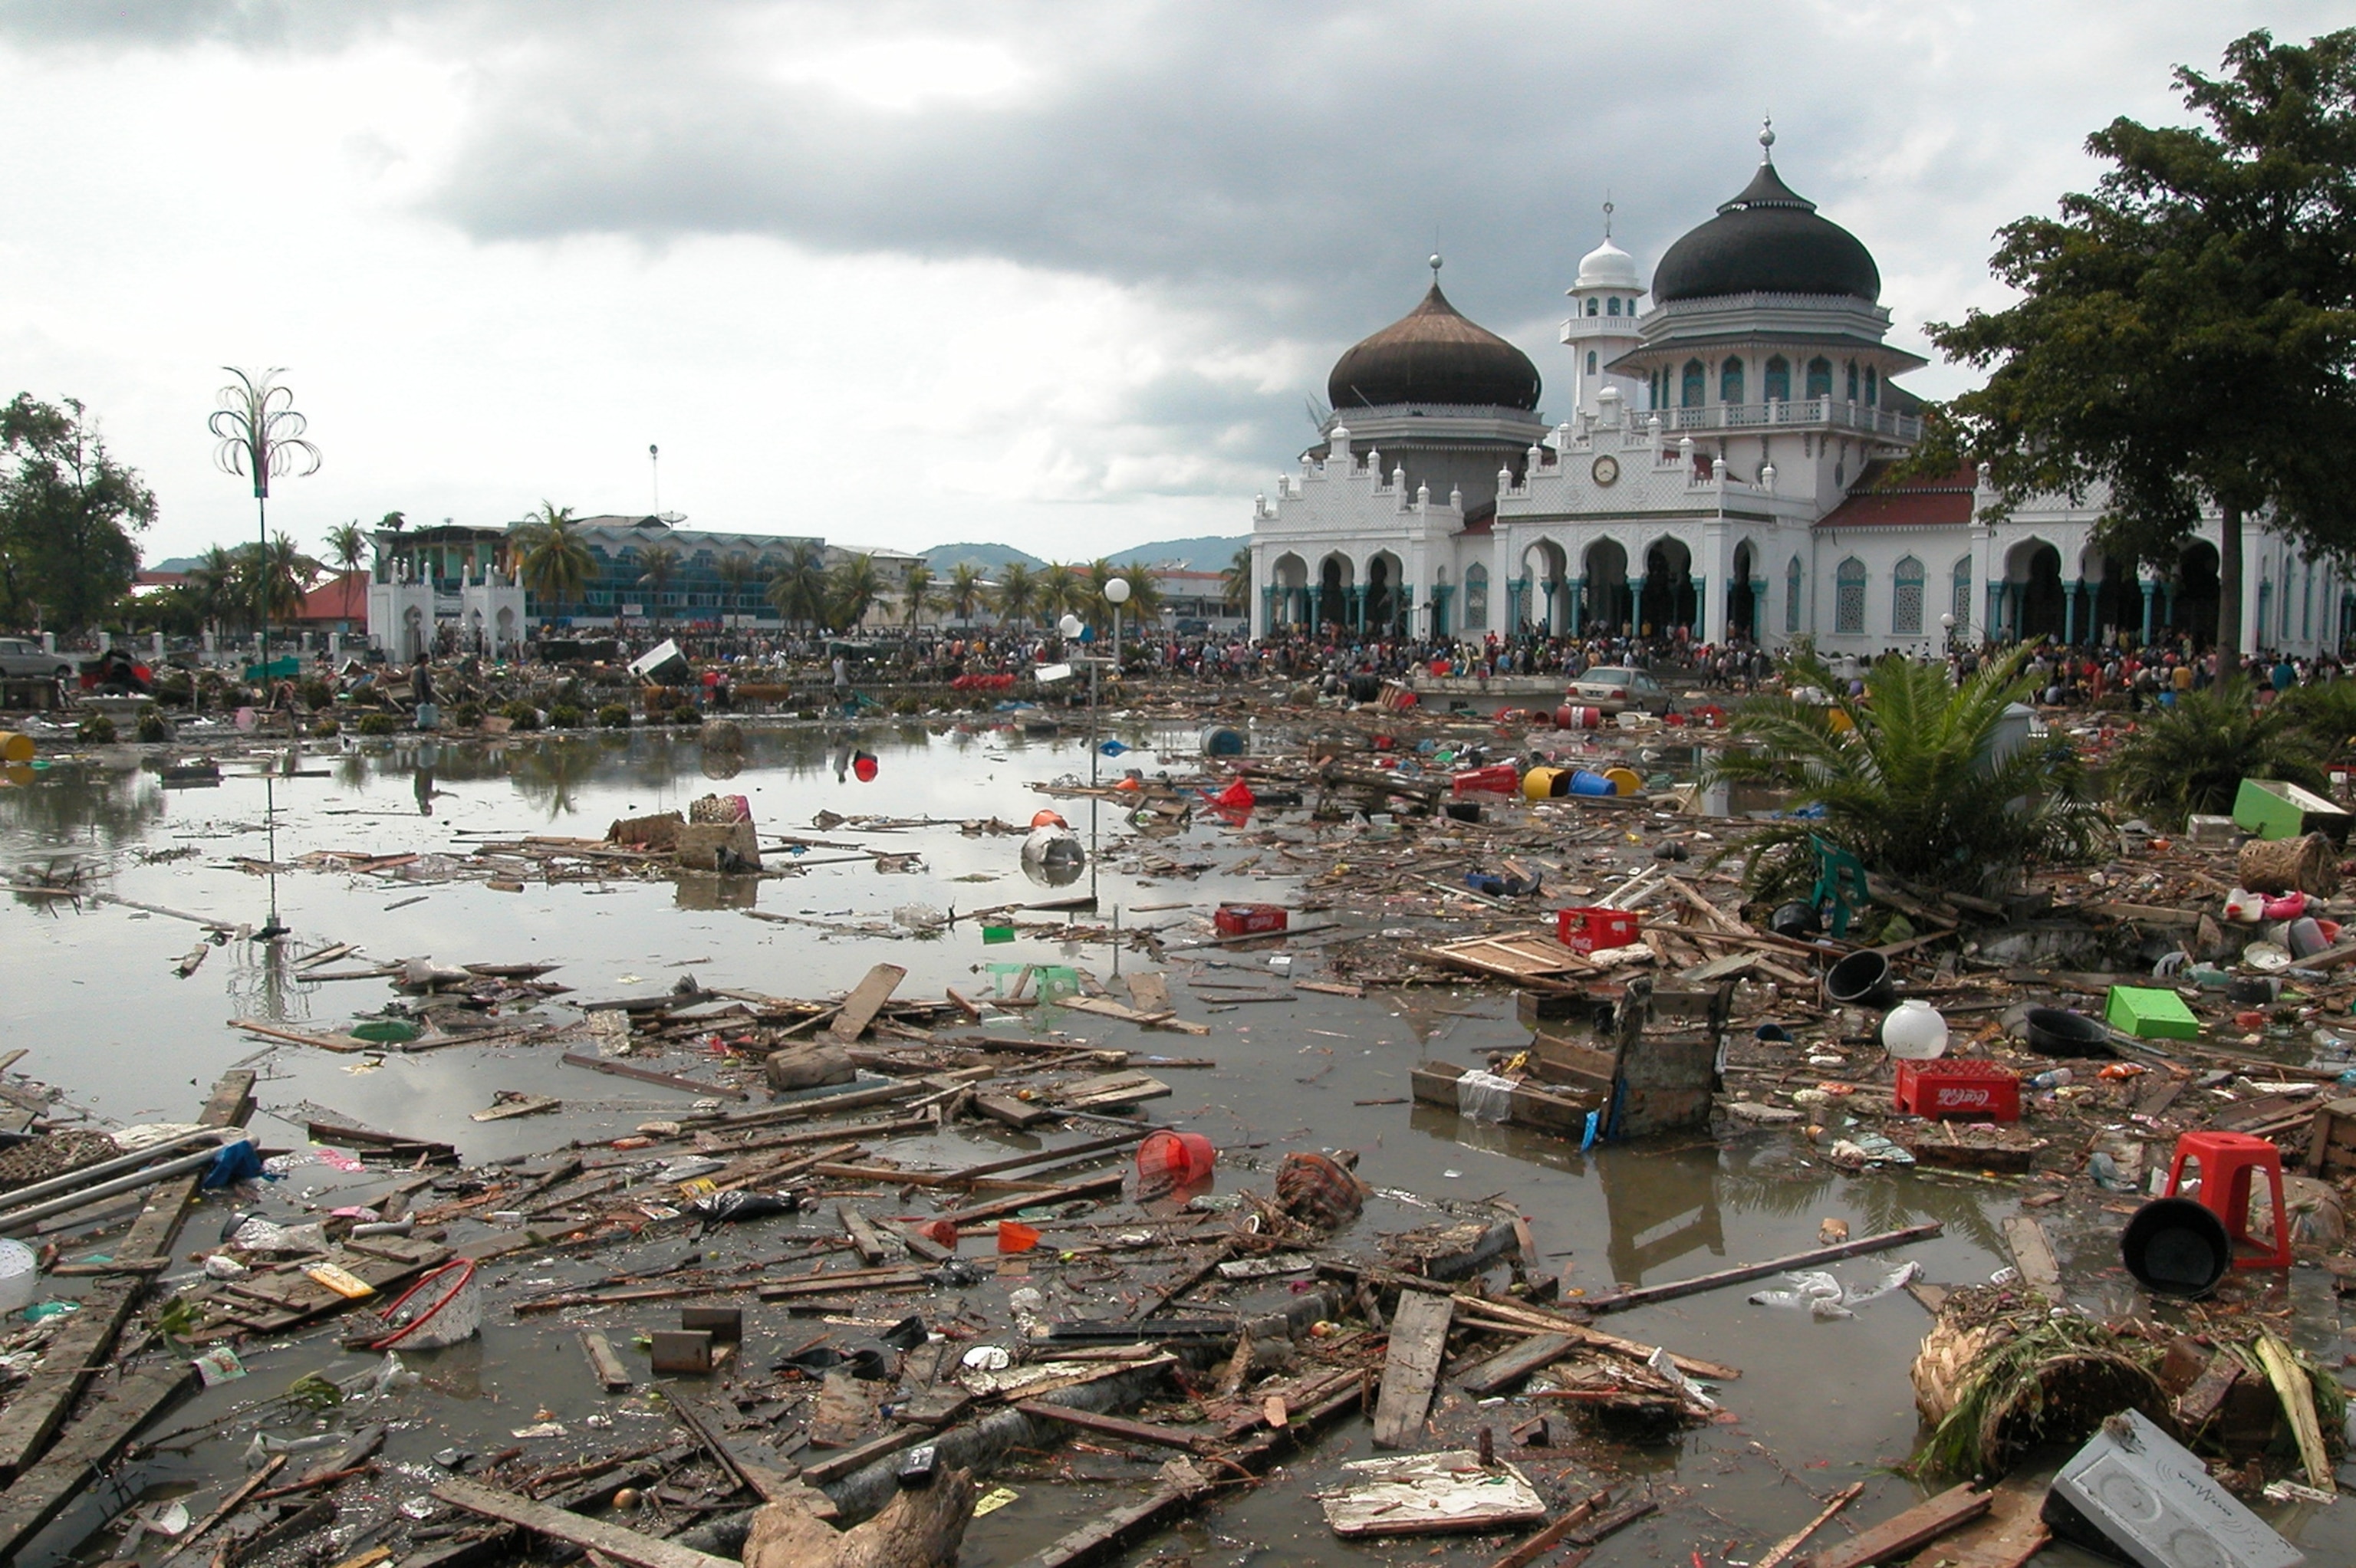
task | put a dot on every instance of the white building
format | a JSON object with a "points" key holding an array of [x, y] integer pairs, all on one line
{"points": [[1723, 468]]}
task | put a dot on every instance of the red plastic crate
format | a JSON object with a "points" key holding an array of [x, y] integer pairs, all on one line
{"points": [[1250, 920], [1498, 778], [1981, 1089], [1590, 930]]}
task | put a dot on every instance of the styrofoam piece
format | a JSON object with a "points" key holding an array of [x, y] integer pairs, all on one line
{"points": [[2141, 1493]]}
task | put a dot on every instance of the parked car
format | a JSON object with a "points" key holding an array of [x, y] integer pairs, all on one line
{"points": [[1615, 686], [1192, 626], [22, 657]]}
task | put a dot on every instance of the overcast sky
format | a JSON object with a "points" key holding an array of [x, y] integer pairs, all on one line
{"points": [[900, 273]]}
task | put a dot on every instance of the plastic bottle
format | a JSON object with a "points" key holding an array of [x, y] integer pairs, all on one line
{"points": [[2053, 1080]]}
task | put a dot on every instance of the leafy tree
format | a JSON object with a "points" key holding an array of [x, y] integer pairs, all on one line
{"points": [[68, 514], [347, 546], [966, 591], [212, 584], [555, 562], [1017, 596], [1236, 582], [2193, 757], [2186, 329], [798, 587], [1908, 779], [852, 589], [394, 521]]}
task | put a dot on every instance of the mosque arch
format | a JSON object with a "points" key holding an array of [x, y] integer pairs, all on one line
{"points": [[1336, 576], [1906, 598], [1775, 382], [1849, 598], [1730, 379], [1666, 597], [1606, 597], [1820, 378]]}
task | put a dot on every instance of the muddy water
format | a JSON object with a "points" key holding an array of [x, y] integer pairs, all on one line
{"points": [[93, 994]]}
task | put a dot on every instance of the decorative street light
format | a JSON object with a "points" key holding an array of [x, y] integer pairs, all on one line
{"points": [[1948, 625], [261, 437]]}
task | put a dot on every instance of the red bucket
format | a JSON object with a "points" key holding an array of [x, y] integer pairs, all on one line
{"points": [[1176, 1158]]}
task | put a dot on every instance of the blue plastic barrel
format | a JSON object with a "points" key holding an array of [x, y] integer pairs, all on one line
{"points": [[1587, 781]]}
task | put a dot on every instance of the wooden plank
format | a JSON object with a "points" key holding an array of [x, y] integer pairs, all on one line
{"points": [[2298, 1396], [647, 1075], [37, 1410], [1019, 1115], [1419, 1342], [863, 1239], [1116, 1426], [345, 1043], [2010, 1533], [866, 999], [1781, 1550], [229, 1505], [525, 1105], [624, 1546], [1909, 1531], [104, 1430], [2032, 1254], [1546, 1540], [1149, 990], [2198, 1404], [1749, 1272], [611, 1373], [1510, 1367], [834, 1467]]}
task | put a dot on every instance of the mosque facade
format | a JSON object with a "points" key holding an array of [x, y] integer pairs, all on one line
{"points": [[1725, 470]]}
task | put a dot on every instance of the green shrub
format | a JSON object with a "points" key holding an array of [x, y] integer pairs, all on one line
{"points": [[97, 730], [314, 693], [685, 713], [521, 714], [2191, 758], [154, 727], [326, 730], [615, 716], [906, 706], [467, 715], [564, 716], [379, 725]]}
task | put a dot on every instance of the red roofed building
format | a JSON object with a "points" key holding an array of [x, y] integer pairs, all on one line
{"points": [[338, 604]]}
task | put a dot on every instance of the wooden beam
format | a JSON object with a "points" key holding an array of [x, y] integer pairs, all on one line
{"points": [[94, 1441], [1115, 1426], [611, 1373], [1419, 1342], [1512, 1366], [647, 1075], [1777, 1553], [866, 999], [1909, 1531], [1546, 1540], [624, 1546], [2032, 1254], [1749, 1272]]}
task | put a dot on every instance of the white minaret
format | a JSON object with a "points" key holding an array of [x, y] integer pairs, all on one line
{"points": [[1602, 323]]}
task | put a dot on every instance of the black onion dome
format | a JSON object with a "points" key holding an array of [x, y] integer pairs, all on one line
{"points": [[1767, 240], [1432, 355]]}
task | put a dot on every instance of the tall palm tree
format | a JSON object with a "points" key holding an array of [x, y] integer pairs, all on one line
{"points": [[1060, 590], [212, 584], [798, 587], [854, 589], [964, 591], [277, 574], [347, 546], [1145, 598], [555, 563], [916, 594], [660, 564], [735, 569], [1236, 582], [1018, 593]]}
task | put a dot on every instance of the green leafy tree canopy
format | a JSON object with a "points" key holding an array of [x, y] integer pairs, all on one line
{"points": [[69, 513]]}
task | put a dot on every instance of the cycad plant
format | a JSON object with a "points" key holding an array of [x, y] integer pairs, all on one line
{"points": [[2192, 758], [1912, 779]]}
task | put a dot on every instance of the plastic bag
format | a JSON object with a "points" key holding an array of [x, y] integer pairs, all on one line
{"points": [[1484, 1096], [733, 1208], [1816, 1293], [257, 1235]]}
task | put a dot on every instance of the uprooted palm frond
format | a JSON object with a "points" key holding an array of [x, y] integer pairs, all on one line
{"points": [[2024, 1381], [2191, 758], [1923, 781]]}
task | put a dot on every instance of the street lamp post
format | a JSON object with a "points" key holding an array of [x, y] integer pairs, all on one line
{"points": [[260, 436], [1948, 625]]}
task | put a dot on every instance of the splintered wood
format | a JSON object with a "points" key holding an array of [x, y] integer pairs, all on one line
{"points": [[1419, 1342]]}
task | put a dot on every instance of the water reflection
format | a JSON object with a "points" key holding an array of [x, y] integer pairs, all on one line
{"points": [[85, 805], [1663, 1204]]}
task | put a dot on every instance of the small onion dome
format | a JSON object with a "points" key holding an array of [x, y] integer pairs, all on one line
{"points": [[1767, 241], [1609, 267], [1432, 355]]}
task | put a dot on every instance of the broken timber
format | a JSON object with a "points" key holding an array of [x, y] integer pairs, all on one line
{"points": [[1419, 1342], [1749, 1272], [624, 1546]]}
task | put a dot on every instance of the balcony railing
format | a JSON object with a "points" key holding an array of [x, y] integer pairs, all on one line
{"points": [[1836, 413]]}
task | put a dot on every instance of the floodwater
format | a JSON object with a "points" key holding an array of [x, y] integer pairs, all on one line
{"points": [[93, 999]]}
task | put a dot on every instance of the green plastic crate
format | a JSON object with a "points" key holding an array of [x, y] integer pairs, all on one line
{"points": [[2273, 809], [2150, 1014]]}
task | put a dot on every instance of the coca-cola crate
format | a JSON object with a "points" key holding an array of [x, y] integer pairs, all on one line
{"points": [[1250, 920], [1592, 930], [1980, 1090]]}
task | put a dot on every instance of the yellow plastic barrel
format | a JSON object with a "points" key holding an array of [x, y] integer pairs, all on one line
{"points": [[16, 746], [1627, 781], [1545, 783]]}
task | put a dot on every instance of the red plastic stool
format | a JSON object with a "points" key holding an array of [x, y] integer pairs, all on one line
{"points": [[2227, 1161]]}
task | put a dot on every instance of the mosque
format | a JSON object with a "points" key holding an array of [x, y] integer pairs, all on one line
{"points": [[1724, 469]]}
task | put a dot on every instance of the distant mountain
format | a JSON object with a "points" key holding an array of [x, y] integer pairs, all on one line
{"points": [[178, 563], [1205, 553], [945, 559]]}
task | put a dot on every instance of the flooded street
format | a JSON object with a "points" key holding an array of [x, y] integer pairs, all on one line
{"points": [[96, 1004]]}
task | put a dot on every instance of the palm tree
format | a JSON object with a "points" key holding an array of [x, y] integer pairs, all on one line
{"points": [[347, 546], [916, 594], [213, 585], [1913, 779], [1061, 589], [735, 569], [854, 589], [1018, 592], [964, 591], [798, 587], [277, 574], [662, 564], [1236, 583], [556, 565]]}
